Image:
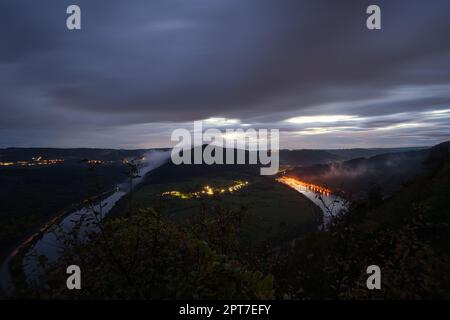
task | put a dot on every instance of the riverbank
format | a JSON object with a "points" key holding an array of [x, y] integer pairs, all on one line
{"points": [[7, 274], [323, 197], [44, 241]]}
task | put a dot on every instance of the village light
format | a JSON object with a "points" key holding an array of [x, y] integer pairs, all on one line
{"points": [[207, 190]]}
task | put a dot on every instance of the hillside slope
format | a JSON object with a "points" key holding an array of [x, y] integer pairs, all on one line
{"points": [[407, 235]]}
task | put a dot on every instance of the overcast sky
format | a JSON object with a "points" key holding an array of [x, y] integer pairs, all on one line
{"points": [[139, 69]]}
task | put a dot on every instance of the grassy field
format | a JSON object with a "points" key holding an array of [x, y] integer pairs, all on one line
{"points": [[275, 213]]}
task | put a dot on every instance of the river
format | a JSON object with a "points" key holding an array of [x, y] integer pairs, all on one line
{"points": [[48, 244], [331, 205]]}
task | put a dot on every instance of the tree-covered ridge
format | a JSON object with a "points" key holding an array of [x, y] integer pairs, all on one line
{"points": [[144, 255], [407, 235]]}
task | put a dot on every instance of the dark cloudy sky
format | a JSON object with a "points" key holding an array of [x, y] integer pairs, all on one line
{"points": [[139, 69]]}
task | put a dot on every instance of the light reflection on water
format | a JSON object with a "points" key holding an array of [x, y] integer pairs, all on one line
{"points": [[330, 204]]}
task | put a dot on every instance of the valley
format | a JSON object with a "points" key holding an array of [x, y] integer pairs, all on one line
{"points": [[271, 212]]}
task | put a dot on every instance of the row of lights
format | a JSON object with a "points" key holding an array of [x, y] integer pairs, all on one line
{"points": [[296, 183], [35, 161], [207, 191]]}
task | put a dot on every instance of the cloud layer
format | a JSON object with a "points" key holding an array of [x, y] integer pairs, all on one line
{"points": [[139, 69]]}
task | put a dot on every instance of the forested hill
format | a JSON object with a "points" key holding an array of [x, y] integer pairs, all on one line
{"points": [[407, 235], [385, 171]]}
